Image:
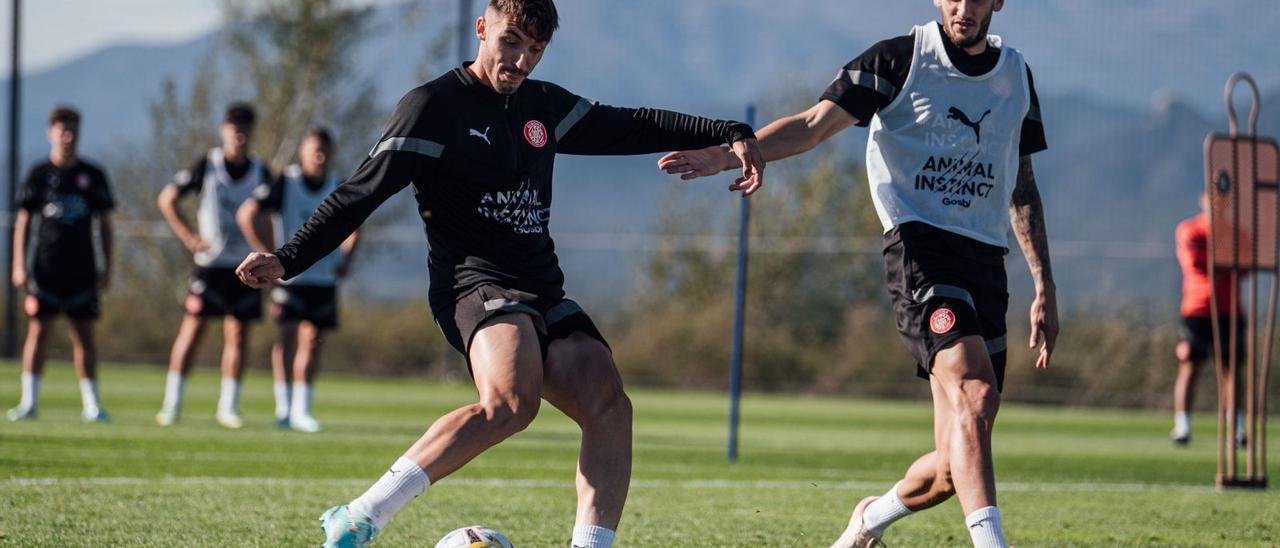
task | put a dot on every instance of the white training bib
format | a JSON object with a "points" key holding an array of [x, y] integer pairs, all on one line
{"points": [[297, 203], [945, 151], [220, 198]]}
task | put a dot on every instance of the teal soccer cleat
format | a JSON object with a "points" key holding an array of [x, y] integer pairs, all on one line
{"points": [[343, 530], [95, 415], [21, 414]]}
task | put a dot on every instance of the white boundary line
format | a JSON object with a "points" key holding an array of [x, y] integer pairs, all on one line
{"points": [[1020, 487]]}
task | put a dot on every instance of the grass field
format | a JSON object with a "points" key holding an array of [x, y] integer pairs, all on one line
{"points": [[1068, 477]]}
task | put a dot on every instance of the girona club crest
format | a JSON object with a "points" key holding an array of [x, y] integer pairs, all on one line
{"points": [[942, 320], [535, 133]]}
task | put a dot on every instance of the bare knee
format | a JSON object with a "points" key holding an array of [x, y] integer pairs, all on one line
{"points": [[510, 413]]}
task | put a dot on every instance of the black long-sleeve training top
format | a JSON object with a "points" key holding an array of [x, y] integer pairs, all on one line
{"points": [[481, 166]]}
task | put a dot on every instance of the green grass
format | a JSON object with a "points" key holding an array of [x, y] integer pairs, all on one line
{"points": [[1069, 477]]}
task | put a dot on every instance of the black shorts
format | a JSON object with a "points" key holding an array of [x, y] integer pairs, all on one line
{"points": [[317, 304], [1199, 332], [944, 287], [77, 303], [553, 318], [216, 292]]}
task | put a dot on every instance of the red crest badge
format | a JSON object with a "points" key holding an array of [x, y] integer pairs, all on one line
{"points": [[942, 320], [535, 133]]}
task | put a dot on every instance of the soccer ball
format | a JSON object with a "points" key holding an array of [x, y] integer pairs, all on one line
{"points": [[474, 536]]}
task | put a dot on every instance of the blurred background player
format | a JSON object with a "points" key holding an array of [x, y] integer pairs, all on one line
{"points": [[1195, 342], [65, 193], [224, 178], [307, 305], [954, 121]]}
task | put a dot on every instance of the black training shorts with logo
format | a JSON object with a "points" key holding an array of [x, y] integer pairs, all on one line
{"points": [[317, 304], [76, 301], [552, 318], [1198, 331], [216, 292], [944, 287]]}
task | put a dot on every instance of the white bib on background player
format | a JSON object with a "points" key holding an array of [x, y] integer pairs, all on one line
{"points": [[945, 151], [297, 203], [220, 197]]}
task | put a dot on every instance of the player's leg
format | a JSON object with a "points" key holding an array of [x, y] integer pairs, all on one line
{"points": [[506, 363], [1184, 392], [583, 382], [966, 379], [235, 342], [33, 357], [283, 353], [85, 356], [305, 365], [926, 484], [200, 302]]}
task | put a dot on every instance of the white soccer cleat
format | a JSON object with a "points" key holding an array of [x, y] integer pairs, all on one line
{"points": [[166, 417], [21, 414], [304, 423], [90, 416], [857, 535], [230, 420]]}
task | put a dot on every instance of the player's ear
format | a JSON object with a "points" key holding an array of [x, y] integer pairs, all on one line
{"points": [[480, 28], [997, 6]]}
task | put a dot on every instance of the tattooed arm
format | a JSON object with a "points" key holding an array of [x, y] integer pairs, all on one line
{"points": [[1027, 214]]}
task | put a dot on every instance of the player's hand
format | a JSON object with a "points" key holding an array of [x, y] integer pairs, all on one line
{"points": [[1044, 325], [259, 269], [705, 162], [748, 152], [195, 244], [19, 277]]}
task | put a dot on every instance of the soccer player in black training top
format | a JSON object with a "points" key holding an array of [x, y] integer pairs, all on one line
{"points": [[223, 178], [954, 121], [65, 193], [478, 145]]}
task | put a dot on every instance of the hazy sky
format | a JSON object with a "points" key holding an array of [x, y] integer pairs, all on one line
{"points": [[59, 30]]}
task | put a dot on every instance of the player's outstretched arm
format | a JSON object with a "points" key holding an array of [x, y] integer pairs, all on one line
{"points": [[593, 129], [786, 137], [259, 270], [1027, 214]]}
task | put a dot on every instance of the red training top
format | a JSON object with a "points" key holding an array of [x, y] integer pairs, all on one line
{"points": [[1193, 254]]}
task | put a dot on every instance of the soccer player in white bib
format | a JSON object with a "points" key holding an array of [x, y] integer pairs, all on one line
{"points": [[954, 120], [306, 306], [223, 179]]}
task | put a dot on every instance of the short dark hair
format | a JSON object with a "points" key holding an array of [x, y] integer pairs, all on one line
{"points": [[321, 134], [539, 18], [240, 113], [65, 115]]}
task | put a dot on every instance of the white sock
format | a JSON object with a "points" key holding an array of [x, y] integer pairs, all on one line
{"points": [[882, 512], [281, 388], [174, 385], [1181, 423], [229, 399], [30, 390], [301, 399], [591, 536], [403, 482], [984, 528], [89, 395]]}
